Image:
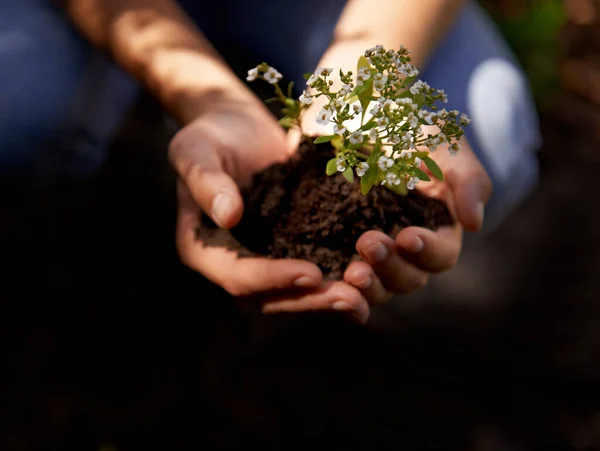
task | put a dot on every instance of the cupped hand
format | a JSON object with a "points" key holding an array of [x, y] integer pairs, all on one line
{"points": [[403, 265], [213, 156]]}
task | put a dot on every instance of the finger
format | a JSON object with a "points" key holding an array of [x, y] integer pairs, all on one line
{"points": [[396, 274], [238, 276], [430, 251], [361, 275], [201, 169], [471, 187], [337, 296]]}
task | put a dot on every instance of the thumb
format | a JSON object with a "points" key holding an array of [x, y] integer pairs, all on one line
{"points": [[471, 188], [202, 171]]}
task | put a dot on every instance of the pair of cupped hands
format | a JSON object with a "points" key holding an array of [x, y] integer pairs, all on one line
{"points": [[229, 141]]}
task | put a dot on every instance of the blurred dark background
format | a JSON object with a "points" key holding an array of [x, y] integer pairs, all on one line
{"points": [[108, 343]]}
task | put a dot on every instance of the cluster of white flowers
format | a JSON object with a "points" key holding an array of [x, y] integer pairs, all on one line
{"points": [[269, 74], [397, 112]]}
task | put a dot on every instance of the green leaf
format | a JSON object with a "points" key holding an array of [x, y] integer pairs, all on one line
{"points": [[307, 75], [324, 139], [337, 142], [400, 189], [362, 62], [272, 99], [422, 175], [434, 168], [420, 154], [290, 88], [349, 174], [331, 167], [290, 103], [369, 125], [365, 96], [368, 180], [286, 122]]}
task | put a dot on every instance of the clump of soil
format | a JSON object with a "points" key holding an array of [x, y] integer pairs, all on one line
{"points": [[294, 210]]}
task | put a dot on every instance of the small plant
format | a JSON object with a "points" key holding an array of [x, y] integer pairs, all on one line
{"points": [[383, 149]]}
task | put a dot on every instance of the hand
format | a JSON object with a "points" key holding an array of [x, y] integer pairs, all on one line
{"points": [[215, 154], [403, 265]]}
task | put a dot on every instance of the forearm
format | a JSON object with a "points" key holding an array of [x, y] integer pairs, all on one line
{"points": [[418, 25], [156, 42]]}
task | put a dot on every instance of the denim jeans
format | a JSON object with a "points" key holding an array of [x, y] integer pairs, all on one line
{"points": [[61, 101]]}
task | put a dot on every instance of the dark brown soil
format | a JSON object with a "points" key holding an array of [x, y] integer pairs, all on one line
{"points": [[294, 210]]}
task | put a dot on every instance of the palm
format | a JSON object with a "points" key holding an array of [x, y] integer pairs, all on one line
{"points": [[247, 143]]}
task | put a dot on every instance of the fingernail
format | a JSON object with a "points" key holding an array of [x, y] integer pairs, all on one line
{"points": [[304, 281], [341, 306], [378, 252], [366, 283], [417, 245], [221, 208]]}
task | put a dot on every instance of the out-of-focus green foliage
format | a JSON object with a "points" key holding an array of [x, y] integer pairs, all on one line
{"points": [[535, 39]]}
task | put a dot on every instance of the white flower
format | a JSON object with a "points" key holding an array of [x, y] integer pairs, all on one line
{"points": [[454, 149], [339, 129], [441, 138], [252, 74], [427, 116], [323, 71], [412, 182], [383, 121], [442, 114], [407, 69], [324, 116], [363, 75], [272, 75], [417, 161], [305, 98], [403, 101], [379, 81], [412, 120], [407, 139], [341, 163], [443, 95], [339, 104], [464, 119], [405, 154], [362, 168], [375, 110], [357, 108], [395, 139], [419, 86], [312, 79], [356, 138], [431, 144], [345, 90], [391, 179], [385, 163], [411, 70], [373, 134]]}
